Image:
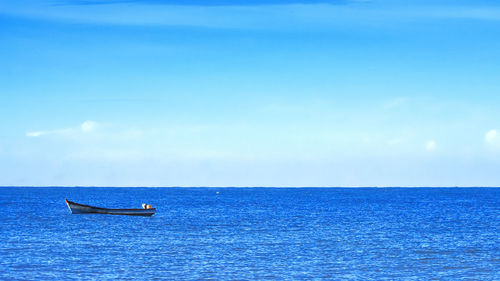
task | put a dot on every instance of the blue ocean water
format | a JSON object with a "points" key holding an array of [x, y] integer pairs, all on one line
{"points": [[252, 234]]}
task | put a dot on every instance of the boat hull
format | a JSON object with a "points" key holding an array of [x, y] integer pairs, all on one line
{"points": [[76, 208]]}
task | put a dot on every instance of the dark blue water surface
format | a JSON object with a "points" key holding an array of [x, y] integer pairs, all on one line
{"points": [[252, 234]]}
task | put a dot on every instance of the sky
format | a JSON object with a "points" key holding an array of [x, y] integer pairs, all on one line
{"points": [[250, 93]]}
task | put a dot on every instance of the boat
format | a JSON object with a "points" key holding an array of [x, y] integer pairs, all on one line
{"points": [[76, 208]]}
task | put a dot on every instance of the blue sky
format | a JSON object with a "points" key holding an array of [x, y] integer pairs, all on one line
{"points": [[250, 93]]}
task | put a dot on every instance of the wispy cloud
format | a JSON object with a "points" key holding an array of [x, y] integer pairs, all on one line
{"points": [[86, 127], [252, 15], [35, 134]]}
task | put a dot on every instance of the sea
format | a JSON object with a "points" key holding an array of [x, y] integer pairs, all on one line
{"points": [[252, 234]]}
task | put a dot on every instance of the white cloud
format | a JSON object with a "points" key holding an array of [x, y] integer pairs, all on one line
{"points": [[491, 136], [34, 134], [430, 145], [88, 126]]}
